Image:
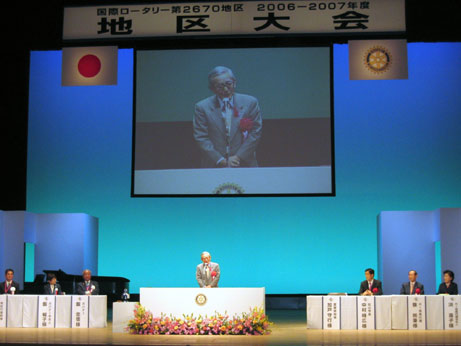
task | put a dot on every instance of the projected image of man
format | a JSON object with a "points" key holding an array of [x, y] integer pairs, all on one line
{"points": [[227, 125]]}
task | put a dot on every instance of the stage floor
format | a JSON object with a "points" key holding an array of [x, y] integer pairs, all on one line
{"points": [[290, 329]]}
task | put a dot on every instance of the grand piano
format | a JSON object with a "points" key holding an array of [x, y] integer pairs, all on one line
{"points": [[112, 286]]}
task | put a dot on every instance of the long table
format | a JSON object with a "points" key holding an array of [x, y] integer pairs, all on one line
{"points": [[48, 311], [384, 312]]}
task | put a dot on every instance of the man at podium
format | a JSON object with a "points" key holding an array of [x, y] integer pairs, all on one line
{"points": [[208, 273]]}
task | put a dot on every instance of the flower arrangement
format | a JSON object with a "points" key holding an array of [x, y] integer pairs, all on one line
{"points": [[255, 322]]}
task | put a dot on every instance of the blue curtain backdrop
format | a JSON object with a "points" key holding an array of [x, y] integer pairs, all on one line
{"points": [[397, 147]]}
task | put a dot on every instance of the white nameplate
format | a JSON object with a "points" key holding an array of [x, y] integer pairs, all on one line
{"points": [[46, 311], [2, 311], [80, 312], [416, 312], [452, 305], [366, 312], [331, 312]]}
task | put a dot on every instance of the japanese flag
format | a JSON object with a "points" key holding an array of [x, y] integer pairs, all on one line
{"points": [[89, 66], [378, 59]]}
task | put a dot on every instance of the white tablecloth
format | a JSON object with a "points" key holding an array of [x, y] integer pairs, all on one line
{"points": [[314, 311], [2, 311], [399, 312], [387, 312], [32, 311], [348, 312]]}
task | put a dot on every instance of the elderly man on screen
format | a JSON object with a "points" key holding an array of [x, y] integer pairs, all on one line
{"points": [[88, 287], [227, 126], [412, 287], [208, 273]]}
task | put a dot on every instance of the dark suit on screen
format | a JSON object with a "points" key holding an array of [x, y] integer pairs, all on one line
{"points": [[211, 135], [7, 289], [82, 288], [376, 284], [452, 289], [405, 289], [48, 290]]}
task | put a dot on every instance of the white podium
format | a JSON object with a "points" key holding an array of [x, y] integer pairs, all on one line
{"points": [[202, 301], [121, 314]]}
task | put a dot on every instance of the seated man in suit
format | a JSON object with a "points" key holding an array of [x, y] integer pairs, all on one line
{"points": [[412, 286], [87, 287], [370, 287], [51, 287], [208, 273], [227, 126], [9, 286]]}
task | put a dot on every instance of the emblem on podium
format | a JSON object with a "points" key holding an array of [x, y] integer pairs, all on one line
{"points": [[200, 299]]}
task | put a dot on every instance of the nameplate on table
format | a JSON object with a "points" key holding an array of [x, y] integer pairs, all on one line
{"points": [[2, 311], [46, 311], [452, 304], [416, 312], [331, 312], [80, 311], [366, 312]]}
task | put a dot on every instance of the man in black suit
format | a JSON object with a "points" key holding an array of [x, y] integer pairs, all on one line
{"points": [[9, 286], [370, 287], [87, 287], [51, 287], [412, 286]]}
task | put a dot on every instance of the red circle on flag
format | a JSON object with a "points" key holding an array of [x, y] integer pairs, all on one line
{"points": [[89, 65]]}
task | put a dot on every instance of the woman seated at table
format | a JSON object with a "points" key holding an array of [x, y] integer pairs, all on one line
{"points": [[52, 287], [448, 287]]}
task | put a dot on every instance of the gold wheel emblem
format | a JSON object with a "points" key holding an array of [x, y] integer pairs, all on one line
{"points": [[377, 59], [200, 299], [228, 188]]}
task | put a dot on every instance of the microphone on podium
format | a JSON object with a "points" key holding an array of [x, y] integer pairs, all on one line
{"points": [[12, 290], [418, 291], [56, 291], [375, 290]]}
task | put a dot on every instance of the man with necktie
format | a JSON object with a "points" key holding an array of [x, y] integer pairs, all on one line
{"points": [[371, 286], [207, 273], [88, 287], [9, 286], [227, 126], [412, 286]]}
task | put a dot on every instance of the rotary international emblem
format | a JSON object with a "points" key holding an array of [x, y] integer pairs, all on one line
{"points": [[377, 59], [200, 299], [229, 188]]}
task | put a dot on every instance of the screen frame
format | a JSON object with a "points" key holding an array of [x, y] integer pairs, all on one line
{"points": [[227, 43]]}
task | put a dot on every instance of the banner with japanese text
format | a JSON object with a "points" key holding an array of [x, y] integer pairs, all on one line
{"points": [[233, 18]]}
